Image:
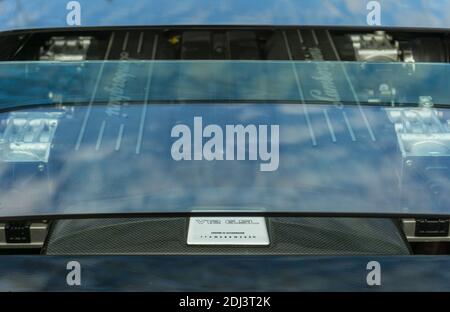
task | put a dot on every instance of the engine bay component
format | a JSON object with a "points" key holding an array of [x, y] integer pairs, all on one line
{"points": [[66, 49], [226, 43], [27, 136], [421, 131], [423, 136], [378, 47]]}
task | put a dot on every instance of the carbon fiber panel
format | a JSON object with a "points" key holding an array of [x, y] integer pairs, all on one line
{"points": [[167, 236]]}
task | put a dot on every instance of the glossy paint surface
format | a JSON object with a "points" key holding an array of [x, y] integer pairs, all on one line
{"points": [[206, 273]]}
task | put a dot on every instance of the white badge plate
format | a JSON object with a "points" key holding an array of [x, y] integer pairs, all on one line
{"points": [[250, 231]]}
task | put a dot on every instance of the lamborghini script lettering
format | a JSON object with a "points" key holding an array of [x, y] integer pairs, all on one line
{"points": [[236, 142]]}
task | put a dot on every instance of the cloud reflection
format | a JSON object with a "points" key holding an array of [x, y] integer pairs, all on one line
{"points": [[411, 13]]}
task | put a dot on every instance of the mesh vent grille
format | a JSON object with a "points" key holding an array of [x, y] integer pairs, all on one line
{"points": [[167, 236]]}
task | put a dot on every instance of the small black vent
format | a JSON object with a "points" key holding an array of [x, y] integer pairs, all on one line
{"points": [[17, 233]]}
